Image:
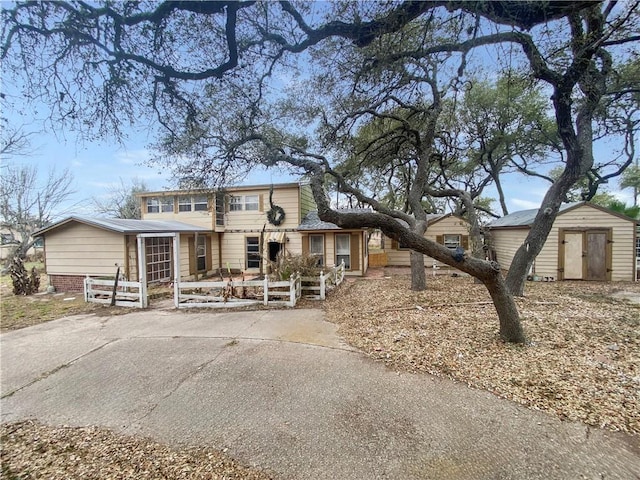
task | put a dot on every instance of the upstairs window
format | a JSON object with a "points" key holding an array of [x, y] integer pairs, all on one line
{"points": [[166, 204], [153, 205], [184, 204], [200, 203], [251, 202], [196, 203], [238, 203]]}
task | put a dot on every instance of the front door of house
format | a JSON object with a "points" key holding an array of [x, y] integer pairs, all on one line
{"points": [[583, 254]]}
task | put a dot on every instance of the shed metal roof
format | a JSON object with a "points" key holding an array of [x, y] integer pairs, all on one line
{"points": [[128, 226], [525, 218]]}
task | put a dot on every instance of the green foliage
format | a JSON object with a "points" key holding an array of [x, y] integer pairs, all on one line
{"points": [[632, 211]]}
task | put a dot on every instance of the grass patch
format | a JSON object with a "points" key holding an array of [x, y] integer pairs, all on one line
{"points": [[18, 311]]}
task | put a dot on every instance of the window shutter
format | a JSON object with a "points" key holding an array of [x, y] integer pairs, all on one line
{"points": [[465, 241], [192, 256], [261, 203], [227, 201], [440, 239], [355, 251], [305, 245], [208, 261]]}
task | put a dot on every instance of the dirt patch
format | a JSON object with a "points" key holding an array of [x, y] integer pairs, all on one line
{"points": [[582, 361]]}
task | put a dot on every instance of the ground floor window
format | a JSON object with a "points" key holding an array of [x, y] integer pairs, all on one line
{"points": [[343, 250], [253, 252], [316, 248], [201, 253], [452, 241], [158, 253]]}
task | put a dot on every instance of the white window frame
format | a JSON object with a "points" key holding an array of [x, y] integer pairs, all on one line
{"points": [[253, 254], [153, 205], [184, 204], [166, 204], [450, 242], [235, 203], [319, 255], [158, 251], [247, 203], [340, 255], [200, 203], [252, 203], [201, 252]]}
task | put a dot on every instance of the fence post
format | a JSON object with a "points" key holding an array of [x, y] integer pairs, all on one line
{"points": [[322, 286], [266, 290], [86, 288]]}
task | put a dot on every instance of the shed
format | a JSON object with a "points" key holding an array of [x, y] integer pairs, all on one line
{"points": [[78, 246], [586, 242], [332, 244]]}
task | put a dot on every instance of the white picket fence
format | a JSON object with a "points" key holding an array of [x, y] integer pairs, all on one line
{"points": [[229, 294], [128, 294], [316, 287]]}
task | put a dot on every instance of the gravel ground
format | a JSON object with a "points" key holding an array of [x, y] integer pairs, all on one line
{"points": [[582, 361]]}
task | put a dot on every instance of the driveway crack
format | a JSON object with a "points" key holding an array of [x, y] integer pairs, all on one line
{"points": [[48, 373]]}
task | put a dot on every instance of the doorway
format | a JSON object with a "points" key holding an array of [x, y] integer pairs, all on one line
{"points": [[585, 254], [274, 250]]}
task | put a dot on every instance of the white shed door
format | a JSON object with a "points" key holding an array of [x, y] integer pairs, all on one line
{"points": [[573, 255]]}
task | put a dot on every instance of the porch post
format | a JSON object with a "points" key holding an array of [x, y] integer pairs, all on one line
{"points": [[176, 269], [142, 270]]}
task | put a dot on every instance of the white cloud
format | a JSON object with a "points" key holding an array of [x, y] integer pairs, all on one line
{"points": [[133, 157], [524, 204]]}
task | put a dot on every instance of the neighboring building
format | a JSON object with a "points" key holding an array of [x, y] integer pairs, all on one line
{"points": [[9, 240], [446, 229], [240, 228], [586, 242]]}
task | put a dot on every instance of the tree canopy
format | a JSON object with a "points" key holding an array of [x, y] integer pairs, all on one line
{"points": [[235, 84]]}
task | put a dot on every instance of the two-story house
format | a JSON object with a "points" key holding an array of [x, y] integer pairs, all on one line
{"points": [[203, 232]]}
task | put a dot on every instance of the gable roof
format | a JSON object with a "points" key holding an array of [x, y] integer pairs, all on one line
{"points": [[525, 218], [126, 226]]}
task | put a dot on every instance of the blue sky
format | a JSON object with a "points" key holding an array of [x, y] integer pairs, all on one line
{"points": [[98, 167]]}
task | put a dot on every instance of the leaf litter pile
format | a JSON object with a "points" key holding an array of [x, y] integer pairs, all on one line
{"points": [[30, 450], [582, 361]]}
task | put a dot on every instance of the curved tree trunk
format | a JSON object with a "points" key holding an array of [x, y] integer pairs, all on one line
{"points": [[510, 327], [418, 274]]}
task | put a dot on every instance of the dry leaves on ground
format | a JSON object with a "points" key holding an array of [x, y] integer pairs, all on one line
{"points": [[30, 450], [582, 362]]}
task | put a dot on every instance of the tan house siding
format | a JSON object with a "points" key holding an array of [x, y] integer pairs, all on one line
{"points": [[79, 249], [449, 225], [359, 257]]}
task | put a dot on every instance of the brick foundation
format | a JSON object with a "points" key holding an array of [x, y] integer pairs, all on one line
{"points": [[67, 283]]}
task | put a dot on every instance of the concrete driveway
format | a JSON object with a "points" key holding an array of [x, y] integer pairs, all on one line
{"points": [[281, 391]]}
